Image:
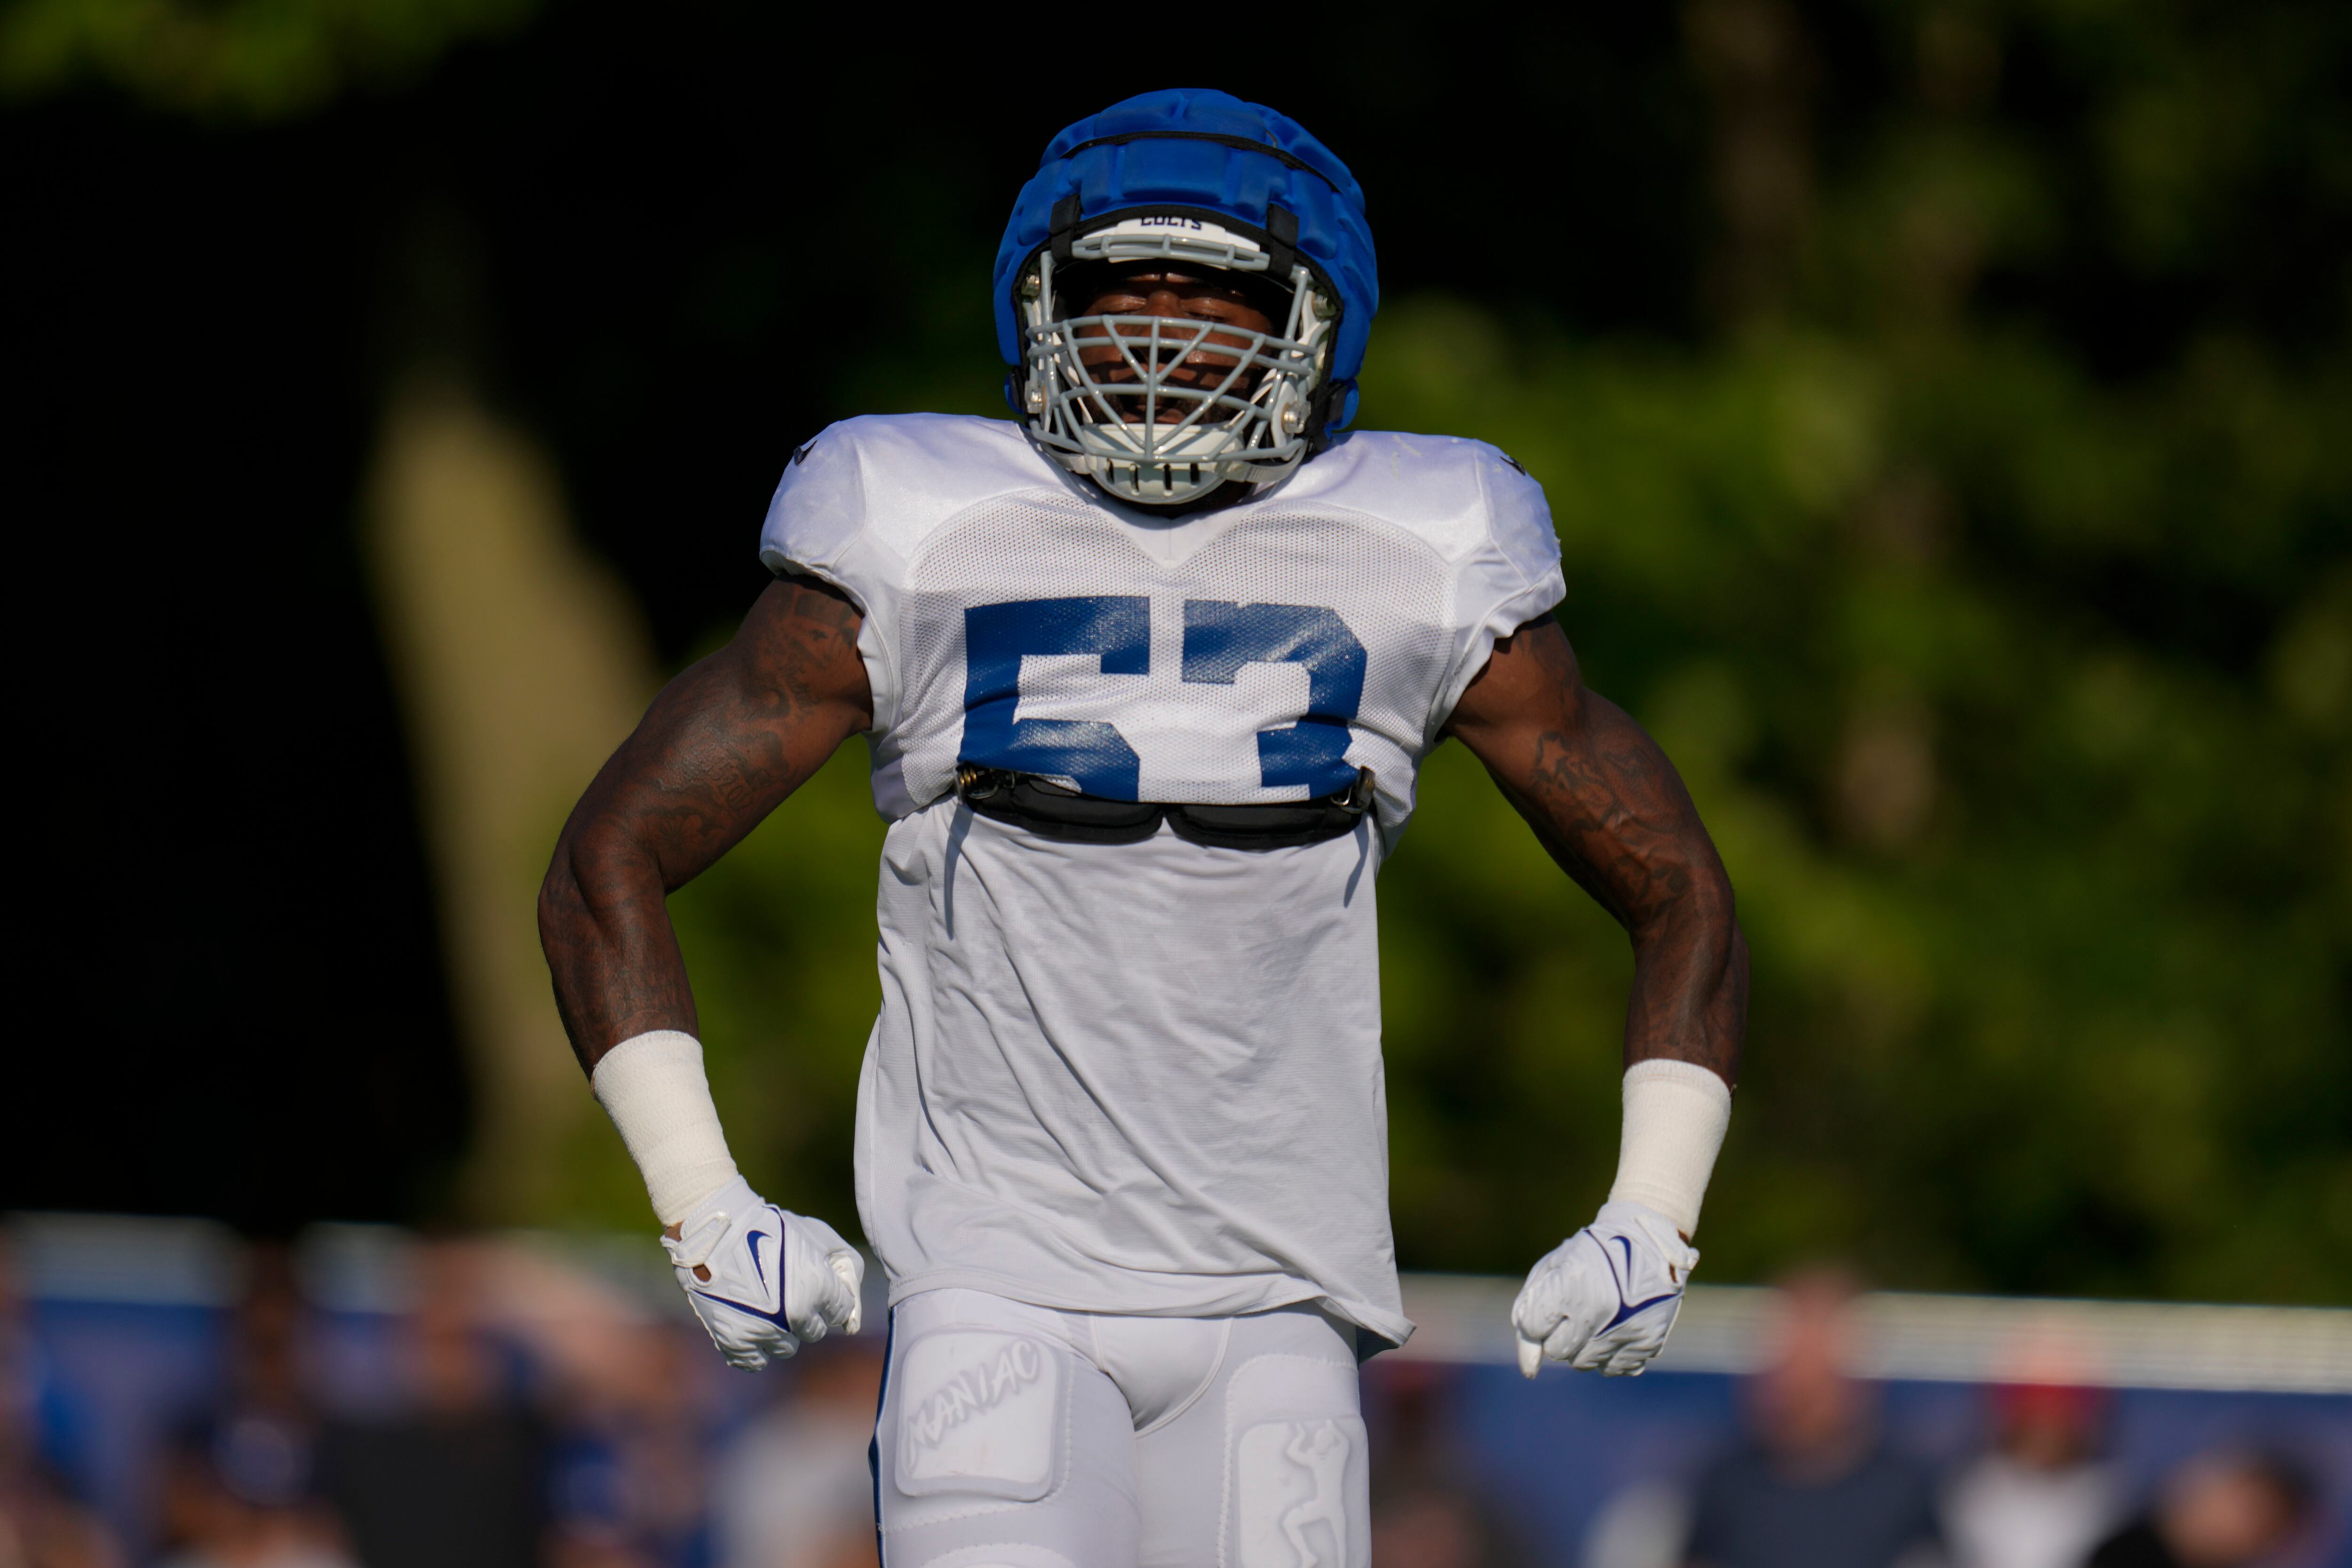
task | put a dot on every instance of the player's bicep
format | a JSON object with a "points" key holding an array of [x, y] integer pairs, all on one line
{"points": [[1530, 683], [732, 736], [1599, 792]]}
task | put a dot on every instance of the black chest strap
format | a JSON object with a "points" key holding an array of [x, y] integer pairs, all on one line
{"points": [[1054, 811]]}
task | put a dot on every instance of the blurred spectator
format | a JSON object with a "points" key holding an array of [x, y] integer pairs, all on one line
{"points": [[459, 1479], [240, 1486], [1647, 1525], [2224, 1511], [42, 1524], [632, 1461], [2041, 1497], [1426, 1511], [1816, 1485], [795, 1490]]}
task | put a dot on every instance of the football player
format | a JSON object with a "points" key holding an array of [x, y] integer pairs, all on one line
{"points": [[1145, 675]]}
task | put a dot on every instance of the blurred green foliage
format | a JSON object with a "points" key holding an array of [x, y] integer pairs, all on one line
{"points": [[2008, 653], [236, 59], [2049, 918], [1986, 564], [781, 939]]}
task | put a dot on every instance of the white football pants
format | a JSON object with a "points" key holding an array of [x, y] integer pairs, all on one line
{"points": [[1017, 1437]]}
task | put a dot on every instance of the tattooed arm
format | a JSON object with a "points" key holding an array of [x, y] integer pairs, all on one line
{"points": [[1611, 809], [1608, 806], [721, 748]]}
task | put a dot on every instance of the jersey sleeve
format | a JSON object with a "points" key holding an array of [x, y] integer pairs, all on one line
{"points": [[817, 526], [1510, 576]]}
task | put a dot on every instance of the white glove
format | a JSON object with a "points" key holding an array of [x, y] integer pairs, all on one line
{"points": [[1604, 1299], [763, 1280]]}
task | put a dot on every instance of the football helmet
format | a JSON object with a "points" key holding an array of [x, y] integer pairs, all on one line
{"points": [[1161, 410]]}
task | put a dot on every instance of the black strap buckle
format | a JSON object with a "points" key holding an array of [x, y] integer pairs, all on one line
{"points": [[1053, 810]]}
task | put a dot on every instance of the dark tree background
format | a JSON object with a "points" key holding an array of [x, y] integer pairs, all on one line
{"points": [[1942, 406]]}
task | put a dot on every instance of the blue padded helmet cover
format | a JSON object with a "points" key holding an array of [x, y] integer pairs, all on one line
{"points": [[1210, 176]]}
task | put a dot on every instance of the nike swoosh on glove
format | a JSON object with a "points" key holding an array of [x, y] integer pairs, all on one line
{"points": [[1604, 1299], [776, 1279]]}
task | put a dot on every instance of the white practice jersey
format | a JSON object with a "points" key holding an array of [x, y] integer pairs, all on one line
{"points": [[1145, 1078]]}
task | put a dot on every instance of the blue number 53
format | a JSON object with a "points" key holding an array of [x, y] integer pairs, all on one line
{"points": [[1220, 637]]}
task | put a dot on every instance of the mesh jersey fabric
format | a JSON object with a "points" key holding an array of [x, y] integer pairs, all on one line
{"points": [[1145, 1078]]}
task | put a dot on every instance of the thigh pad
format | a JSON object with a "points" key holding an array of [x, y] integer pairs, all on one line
{"points": [[1298, 1475], [1268, 1468], [986, 1413], [999, 1445]]}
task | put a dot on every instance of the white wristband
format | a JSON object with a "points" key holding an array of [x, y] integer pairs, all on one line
{"points": [[653, 1087], [1675, 1113]]}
